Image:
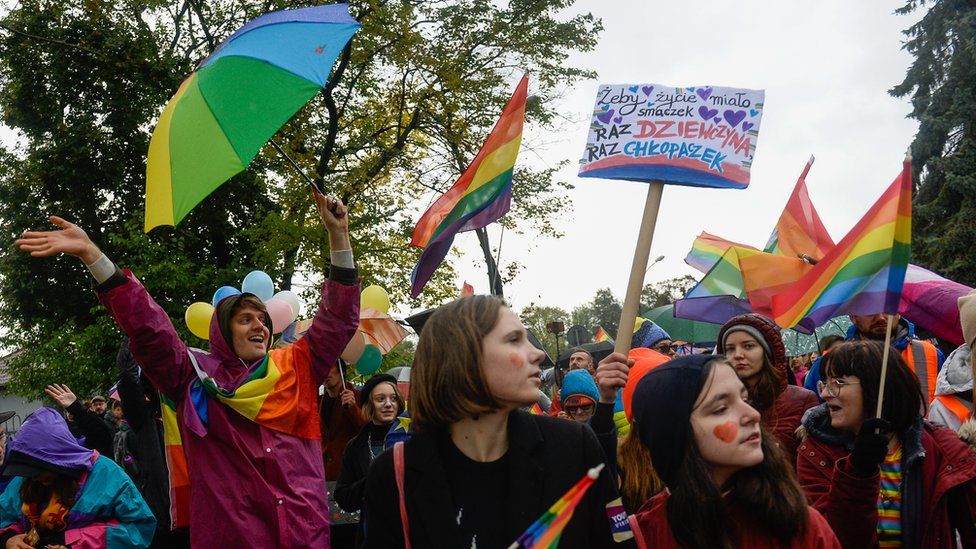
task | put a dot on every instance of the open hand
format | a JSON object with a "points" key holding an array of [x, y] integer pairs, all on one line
{"points": [[61, 394], [17, 542], [69, 239]]}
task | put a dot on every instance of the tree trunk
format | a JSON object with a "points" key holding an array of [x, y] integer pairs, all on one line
{"points": [[494, 277]]}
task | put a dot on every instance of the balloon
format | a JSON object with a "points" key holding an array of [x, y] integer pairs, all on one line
{"points": [[370, 361], [638, 322], [198, 318], [281, 314], [290, 298], [222, 292], [375, 297], [354, 349], [259, 284]]}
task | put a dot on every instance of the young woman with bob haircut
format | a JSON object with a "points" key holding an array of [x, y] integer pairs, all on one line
{"points": [[893, 481], [728, 483], [477, 471]]}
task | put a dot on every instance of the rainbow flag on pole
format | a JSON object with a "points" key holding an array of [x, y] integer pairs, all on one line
{"points": [[544, 533], [864, 273], [601, 335], [480, 196], [799, 230]]}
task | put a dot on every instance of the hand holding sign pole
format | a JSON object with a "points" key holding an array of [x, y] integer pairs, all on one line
{"points": [[698, 136]]}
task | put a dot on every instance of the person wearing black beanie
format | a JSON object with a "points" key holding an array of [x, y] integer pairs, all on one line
{"points": [[728, 483]]}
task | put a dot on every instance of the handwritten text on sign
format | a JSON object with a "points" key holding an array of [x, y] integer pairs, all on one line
{"points": [[700, 136]]}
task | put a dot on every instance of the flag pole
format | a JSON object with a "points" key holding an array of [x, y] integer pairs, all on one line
{"points": [[628, 313], [884, 365]]}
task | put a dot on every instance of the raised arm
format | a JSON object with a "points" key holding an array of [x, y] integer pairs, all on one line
{"points": [[155, 344]]}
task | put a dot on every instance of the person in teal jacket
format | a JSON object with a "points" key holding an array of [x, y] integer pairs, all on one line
{"points": [[65, 495]]}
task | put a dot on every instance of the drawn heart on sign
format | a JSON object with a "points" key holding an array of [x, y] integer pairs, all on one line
{"points": [[605, 117], [746, 126], [704, 93], [647, 90], [706, 113], [633, 89], [753, 112], [734, 117], [717, 120], [618, 120]]}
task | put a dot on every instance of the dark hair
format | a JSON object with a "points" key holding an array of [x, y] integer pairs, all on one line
{"points": [[769, 384], [697, 512], [66, 487], [828, 340], [447, 380], [862, 359]]}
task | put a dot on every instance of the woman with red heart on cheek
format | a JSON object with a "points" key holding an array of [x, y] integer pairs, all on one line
{"points": [[728, 483]]}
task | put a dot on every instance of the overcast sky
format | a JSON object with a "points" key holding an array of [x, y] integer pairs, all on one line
{"points": [[826, 68]]}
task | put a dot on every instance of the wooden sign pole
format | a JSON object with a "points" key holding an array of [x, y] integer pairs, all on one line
{"points": [[884, 365], [628, 315]]}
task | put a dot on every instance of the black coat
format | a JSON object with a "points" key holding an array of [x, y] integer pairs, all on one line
{"points": [[351, 486], [546, 457]]}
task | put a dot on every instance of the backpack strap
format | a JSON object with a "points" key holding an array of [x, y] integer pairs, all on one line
{"points": [[398, 470], [638, 535]]}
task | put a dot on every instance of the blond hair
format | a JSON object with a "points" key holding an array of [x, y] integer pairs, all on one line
{"points": [[368, 408]]}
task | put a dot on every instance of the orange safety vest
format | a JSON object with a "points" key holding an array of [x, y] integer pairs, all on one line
{"points": [[955, 405], [927, 356]]}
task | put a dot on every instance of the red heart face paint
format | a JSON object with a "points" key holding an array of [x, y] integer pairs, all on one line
{"points": [[517, 359], [726, 432]]}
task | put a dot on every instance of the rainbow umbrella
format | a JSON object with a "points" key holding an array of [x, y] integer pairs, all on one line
{"points": [[235, 101]]}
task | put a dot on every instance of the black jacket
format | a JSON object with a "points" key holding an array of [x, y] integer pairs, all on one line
{"points": [[351, 486], [145, 436], [86, 423], [546, 457]]}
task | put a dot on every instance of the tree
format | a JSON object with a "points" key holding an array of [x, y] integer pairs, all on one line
{"points": [[603, 310], [408, 105], [665, 292], [942, 85], [536, 317]]}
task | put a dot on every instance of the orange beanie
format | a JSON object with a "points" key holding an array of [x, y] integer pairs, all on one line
{"points": [[645, 360]]}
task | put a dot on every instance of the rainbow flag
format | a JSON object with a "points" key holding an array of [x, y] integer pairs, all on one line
{"points": [[799, 230], [707, 250], [467, 290], [279, 394], [544, 533], [179, 475], [480, 196], [864, 273], [601, 335]]}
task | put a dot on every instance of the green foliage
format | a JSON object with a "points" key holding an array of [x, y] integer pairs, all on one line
{"points": [[408, 105], [535, 317], [603, 310], [942, 85]]}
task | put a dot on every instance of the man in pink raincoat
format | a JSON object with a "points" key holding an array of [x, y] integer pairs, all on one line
{"points": [[251, 484]]}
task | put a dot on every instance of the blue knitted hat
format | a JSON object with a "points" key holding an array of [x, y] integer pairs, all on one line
{"points": [[579, 382], [648, 334]]}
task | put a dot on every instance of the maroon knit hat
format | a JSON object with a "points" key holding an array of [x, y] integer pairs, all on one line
{"points": [[769, 331]]}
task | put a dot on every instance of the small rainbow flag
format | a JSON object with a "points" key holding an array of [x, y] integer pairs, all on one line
{"points": [[467, 290], [864, 273], [544, 533], [601, 335], [480, 196], [799, 230]]}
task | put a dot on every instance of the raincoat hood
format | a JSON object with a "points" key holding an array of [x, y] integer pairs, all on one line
{"points": [[45, 437], [956, 375], [905, 333], [221, 336]]}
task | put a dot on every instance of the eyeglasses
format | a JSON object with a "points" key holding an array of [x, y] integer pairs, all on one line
{"points": [[381, 401], [833, 386], [573, 410]]}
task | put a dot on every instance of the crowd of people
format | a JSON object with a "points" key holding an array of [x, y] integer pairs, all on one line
{"points": [[246, 444]]}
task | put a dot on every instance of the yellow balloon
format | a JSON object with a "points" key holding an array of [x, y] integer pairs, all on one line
{"points": [[198, 318], [375, 297], [638, 322]]}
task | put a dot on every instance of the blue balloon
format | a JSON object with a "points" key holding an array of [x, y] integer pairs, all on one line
{"points": [[259, 284], [370, 361], [222, 292]]}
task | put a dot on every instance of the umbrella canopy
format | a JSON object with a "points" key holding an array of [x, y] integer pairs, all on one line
{"points": [[682, 329], [235, 101], [798, 343]]}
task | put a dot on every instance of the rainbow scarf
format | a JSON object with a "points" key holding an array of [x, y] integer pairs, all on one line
{"points": [[864, 273], [480, 196], [544, 533], [179, 475]]}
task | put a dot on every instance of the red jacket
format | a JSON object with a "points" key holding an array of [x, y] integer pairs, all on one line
{"points": [[783, 417], [339, 426], [938, 487], [651, 529]]}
